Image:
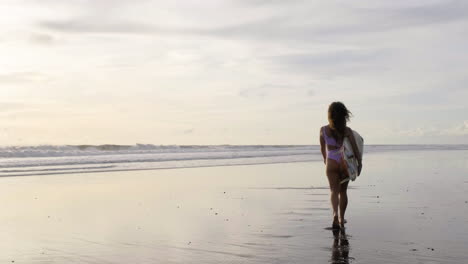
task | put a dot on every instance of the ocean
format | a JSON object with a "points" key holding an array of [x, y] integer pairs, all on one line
{"points": [[67, 159]]}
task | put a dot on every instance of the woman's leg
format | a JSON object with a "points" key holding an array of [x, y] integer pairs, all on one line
{"points": [[333, 176], [343, 200]]}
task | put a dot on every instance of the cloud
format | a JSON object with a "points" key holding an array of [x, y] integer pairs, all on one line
{"points": [[279, 20], [90, 25], [328, 58], [454, 130], [340, 62], [41, 38], [23, 77], [459, 130], [103, 25], [393, 17], [307, 22], [11, 106], [274, 89], [440, 12], [265, 2], [27, 37], [188, 131], [419, 132], [262, 90], [235, 63]]}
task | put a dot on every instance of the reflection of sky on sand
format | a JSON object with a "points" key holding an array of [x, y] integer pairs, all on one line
{"points": [[403, 206]]}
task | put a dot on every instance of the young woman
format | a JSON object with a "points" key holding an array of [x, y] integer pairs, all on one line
{"points": [[331, 142]]}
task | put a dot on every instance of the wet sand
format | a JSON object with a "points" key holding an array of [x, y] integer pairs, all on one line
{"points": [[407, 207]]}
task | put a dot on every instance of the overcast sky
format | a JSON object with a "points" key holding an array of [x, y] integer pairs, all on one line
{"points": [[231, 71]]}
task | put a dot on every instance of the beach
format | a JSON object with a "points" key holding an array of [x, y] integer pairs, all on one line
{"points": [[406, 207], [194, 132]]}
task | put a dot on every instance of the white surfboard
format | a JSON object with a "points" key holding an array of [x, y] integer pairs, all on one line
{"points": [[351, 158]]}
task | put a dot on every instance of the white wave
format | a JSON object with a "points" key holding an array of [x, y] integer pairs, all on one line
{"points": [[43, 160], [95, 150]]}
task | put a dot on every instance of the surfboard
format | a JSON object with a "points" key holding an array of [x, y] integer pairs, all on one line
{"points": [[350, 158]]}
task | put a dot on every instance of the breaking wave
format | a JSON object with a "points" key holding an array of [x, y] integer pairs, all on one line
{"points": [[44, 160]]}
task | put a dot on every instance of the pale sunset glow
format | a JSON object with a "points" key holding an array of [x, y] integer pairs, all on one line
{"points": [[231, 72]]}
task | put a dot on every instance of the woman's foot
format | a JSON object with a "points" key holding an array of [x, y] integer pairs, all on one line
{"points": [[342, 223], [336, 226], [335, 223]]}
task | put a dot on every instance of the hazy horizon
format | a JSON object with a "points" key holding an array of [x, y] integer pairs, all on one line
{"points": [[231, 72], [215, 145]]}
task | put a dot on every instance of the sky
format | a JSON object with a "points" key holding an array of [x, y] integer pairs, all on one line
{"points": [[231, 71]]}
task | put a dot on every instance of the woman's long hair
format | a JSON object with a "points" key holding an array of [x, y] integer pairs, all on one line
{"points": [[338, 115]]}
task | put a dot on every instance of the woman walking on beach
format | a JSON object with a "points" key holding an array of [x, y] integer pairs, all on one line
{"points": [[331, 142]]}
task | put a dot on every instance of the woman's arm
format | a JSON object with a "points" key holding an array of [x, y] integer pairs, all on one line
{"points": [[323, 146]]}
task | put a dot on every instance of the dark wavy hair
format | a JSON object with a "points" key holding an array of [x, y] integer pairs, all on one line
{"points": [[338, 115]]}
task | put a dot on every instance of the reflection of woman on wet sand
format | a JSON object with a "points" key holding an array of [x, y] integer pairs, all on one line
{"points": [[331, 142], [340, 247]]}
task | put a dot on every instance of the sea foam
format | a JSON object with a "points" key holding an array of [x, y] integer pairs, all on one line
{"points": [[43, 160]]}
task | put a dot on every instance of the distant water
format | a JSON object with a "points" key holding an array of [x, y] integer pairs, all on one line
{"points": [[44, 160]]}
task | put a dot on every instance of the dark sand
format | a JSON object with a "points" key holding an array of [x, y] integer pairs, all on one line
{"points": [[407, 207]]}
